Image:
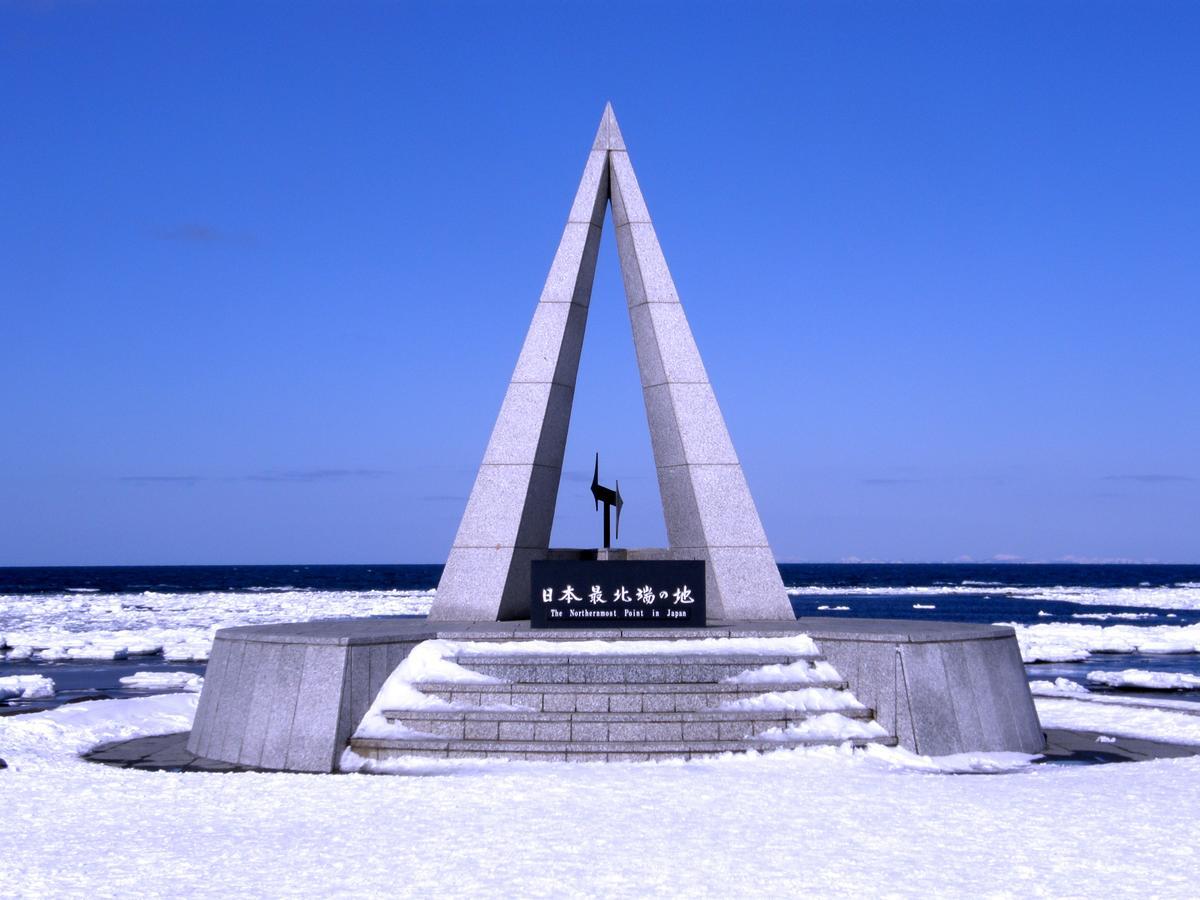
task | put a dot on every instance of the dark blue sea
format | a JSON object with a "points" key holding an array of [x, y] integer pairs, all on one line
{"points": [[50, 616], [975, 592]]}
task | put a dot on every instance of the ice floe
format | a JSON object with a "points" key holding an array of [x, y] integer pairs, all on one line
{"points": [[163, 681], [1185, 595], [25, 687], [180, 626], [1074, 641], [1059, 687], [1146, 680]]}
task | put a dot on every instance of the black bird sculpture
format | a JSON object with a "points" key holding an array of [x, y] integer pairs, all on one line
{"points": [[610, 498]]}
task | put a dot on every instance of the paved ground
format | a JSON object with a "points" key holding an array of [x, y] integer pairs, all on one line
{"points": [[169, 752], [1078, 746], [166, 752]]}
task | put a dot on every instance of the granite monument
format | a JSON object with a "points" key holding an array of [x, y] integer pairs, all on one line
{"points": [[707, 506]]}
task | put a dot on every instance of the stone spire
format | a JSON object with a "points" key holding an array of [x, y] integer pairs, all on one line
{"points": [[707, 506]]}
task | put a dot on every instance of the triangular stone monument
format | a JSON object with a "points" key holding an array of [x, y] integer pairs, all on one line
{"points": [[707, 506]]}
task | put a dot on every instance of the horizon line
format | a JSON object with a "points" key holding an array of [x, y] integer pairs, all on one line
{"points": [[835, 562]]}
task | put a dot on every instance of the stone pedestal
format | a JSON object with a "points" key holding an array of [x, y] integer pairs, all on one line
{"points": [[290, 696], [939, 687]]}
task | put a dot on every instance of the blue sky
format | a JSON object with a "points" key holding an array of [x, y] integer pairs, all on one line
{"points": [[265, 269]]}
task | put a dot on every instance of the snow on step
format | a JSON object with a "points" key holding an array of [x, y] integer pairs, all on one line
{"points": [[796, 645], [585, 751], [795, 672], [826, 727], [642, 669], [585, 727], [623, 697], [480, 714], [601, 699], [806, 699]]}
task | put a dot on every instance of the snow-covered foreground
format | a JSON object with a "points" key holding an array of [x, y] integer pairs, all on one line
{"points": [[827, 822]]}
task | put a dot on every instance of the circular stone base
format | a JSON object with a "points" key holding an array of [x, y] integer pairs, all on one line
{"points": [[289, 696], [168, 753]]}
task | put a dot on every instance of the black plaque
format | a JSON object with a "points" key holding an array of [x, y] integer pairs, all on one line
{"points": [[617, 594]]}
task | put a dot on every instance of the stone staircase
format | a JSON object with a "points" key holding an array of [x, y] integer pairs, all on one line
{"points": [[565, 706]]}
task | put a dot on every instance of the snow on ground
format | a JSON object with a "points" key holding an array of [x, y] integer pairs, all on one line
{"points": [[1179, 596], [1059, 688], [1121, 719], [828, 822], [1145, 680], [49, 740], [95, 626], [1073, 641], [25, 687], [164, 681]]}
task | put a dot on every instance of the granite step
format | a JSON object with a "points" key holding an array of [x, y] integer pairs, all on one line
{"points": [[586, 727], [620, 668], [561, 704], [583, 751], [528, 715], [610, 697]]}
